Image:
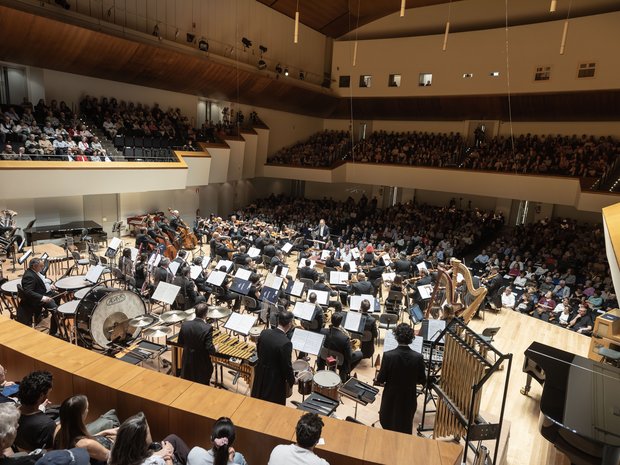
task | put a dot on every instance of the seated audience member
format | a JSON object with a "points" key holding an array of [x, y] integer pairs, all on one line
{"points": [[134, 446], [582, 323], [8, 389], [508, 298], [36, 429], [72, 431], [545, 305], [308, 432], [9, 418], [221, 452]]}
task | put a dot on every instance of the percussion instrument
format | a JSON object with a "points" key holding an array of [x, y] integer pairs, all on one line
{"points": [[173, 316], [217, 313], [299, 366], [304, 383], [72, 283], [327, 382], [10, 287], [157, 331], [68, 309], [142, 321], [103, 316], [191, 314], [81, 293], [255, 333]]}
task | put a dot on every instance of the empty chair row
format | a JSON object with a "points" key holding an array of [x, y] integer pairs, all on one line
{"points": [[146, 142]]}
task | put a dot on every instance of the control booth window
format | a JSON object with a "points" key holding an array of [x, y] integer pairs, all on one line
{"points": [[543, 73], [365, 80], [394, 80], [586, 70], [426, 79], [344, 81]]}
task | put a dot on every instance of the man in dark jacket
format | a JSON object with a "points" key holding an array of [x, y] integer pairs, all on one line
{"points": [[307, 272], [362, 286], [196, 337], [401, 370], [338, 339], [274, 369], [36, 295], [370, 329]]}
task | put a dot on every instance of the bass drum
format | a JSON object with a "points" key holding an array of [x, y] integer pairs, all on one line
{"points": [[103, 316]]}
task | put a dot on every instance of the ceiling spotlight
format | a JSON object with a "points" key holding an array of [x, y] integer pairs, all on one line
{"points": [[110, 11], [302, 75], [262, 49], [156, 30], [278, 69], [247, 43], [286, 71], [190, 38], [262, 64], [203, 45]]}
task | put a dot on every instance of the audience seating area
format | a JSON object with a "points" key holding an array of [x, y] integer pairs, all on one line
{"points": [[577, 156]]}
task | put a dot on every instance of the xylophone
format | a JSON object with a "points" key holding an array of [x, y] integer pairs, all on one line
{"points": [[232, 353]]}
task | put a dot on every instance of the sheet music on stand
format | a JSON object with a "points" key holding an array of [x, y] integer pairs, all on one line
{"points": [[94, 273], [273, 281], [194, 271], [243, 274], [390, 343], [253, 252], [226, 263], [174, 267], [434, 328], [154, 260], [216, 278], [302, 263], [307, 341], [304, 310], [388, 276], [286, 248], [426, 290], [240, 323], [295, 288], [325, 254], [240, 286], [322, 297], [354, 322], [338, 278], [114, 244], [356, 302], [386, 259], [355, 253], [205, 261], [421, 266], [166, 293], [281, 271], [134, 253], [353, 267]]}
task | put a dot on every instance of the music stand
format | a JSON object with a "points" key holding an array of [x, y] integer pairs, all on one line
{"points": [[359, 392], [22, 260]]}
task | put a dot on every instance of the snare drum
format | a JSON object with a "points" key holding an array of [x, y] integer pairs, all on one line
{"points": [[327, 382], [299, 366], [254, 333]]}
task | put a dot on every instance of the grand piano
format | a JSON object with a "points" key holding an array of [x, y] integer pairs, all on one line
{"points": [[59, 231], [579, 406]]}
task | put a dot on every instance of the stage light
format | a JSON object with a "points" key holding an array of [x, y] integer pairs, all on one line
{"points": [[156, 30], [553, 6], [247, 43], [302, 75], [203, 45], [403, 5], [286, 71], [262, 64], [190, 38], [262, 49], [278, 69]]}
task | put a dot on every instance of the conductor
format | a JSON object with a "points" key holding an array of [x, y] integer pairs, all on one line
{"points": [[322, 231], [401, 370], [274, 369], [196, 337]]}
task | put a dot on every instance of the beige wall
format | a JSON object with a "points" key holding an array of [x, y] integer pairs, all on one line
{"points": [[590, 39], [198, 170], [220, 158], [235, 163], [249, 157]]}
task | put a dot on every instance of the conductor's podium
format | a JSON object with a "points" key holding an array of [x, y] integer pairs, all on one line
{"points": [[174, 405]]}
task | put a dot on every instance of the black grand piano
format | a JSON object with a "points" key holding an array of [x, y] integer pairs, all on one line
{"points": [[579, 406], [60, 231]]}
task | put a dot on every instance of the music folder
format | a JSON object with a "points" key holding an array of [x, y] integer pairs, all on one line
{"points": [[307, 341], [240, 323], [243, 274], [431, 329], [216, 278], [194, 271], [355, 253], [338, 278], [421, 266], [253, 252], [294, 288], [174, 267], [134, 253], [273, 281], [352, 266], [154, 260], [322, 297], [354, 322], [227, 263], [166, 292], [114, 244], [386, 259], [356, 302], [325, 254], [24, 257], [304, 311], [205, 261], [426, 290], [388, 276], [94, 273], [286, 248], [240, 286], [281, 271]]}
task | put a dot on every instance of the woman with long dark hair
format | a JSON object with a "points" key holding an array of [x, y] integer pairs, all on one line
{"points": [[134, 446], [222, 452], [73, 432]]}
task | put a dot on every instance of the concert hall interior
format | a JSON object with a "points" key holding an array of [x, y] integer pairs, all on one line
{"points": [[391, 215]]}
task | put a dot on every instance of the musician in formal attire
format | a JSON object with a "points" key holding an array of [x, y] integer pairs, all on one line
{"points": [[307, 272], [180, 259], [37, 293], [339, 340], [270, 248], [274, 369], [370, 328], [362, 286], [162, 273], [187, 296], [277, 260], [125, 264], [196, 337], [401, 371], [322, 231], [402, 266], [331, 261], [240, 257], [219, 248]]}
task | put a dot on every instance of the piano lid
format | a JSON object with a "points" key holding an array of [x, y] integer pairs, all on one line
{"points": [[74, 225], [579, 394]]}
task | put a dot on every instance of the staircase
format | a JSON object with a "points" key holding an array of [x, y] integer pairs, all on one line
{"points": [[106, 143]]}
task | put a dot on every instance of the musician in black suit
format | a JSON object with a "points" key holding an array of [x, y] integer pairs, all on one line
{"points": [[277, 260], [402, 266], [362, 286], [274, 369], [270, 248], [307, 272], [36, 295], [331, 261], [401, 370], [368, 347], [322, 231], [162, 273], [187, 296], [338, 339], [196, 337], [180, 259], [240, 257]]}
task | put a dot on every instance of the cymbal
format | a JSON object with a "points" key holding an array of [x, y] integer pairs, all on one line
{"points": [[157, 331], [215, 313], [142, 321], [191, 314], [173, 316]]}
